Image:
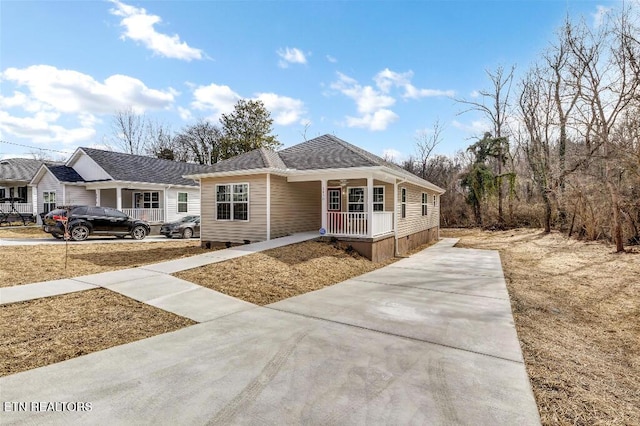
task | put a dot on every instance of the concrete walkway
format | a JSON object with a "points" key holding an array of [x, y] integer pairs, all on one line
{"points": [[428, 340]]}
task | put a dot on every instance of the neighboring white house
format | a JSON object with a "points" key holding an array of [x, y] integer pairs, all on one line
{"points": [[142, 187], [15, 175]]}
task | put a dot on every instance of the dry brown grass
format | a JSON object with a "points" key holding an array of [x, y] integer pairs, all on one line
{"points": [[280, 273], [577, 311], [29, 264], [23, 232], [45, 331]]}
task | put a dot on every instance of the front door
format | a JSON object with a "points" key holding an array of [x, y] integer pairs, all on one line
{"points": [[334, 210]]}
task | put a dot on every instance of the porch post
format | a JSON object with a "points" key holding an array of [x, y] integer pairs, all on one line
{"points": [[118, 198], [395, 212], [370, 206], [323, 188], [98, 197], [268, 206]]}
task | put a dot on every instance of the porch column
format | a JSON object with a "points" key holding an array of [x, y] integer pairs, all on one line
{"points": [[118, 198], [370, 206], [98, 197], [395, 212], [323, 188], [268, 206]]}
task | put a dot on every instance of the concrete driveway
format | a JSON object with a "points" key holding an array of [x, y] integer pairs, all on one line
{"points": [[429, 340]]}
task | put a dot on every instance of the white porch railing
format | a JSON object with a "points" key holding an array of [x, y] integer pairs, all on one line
{"points": [[20, 207], [382, 223], [356, 224], [150, 215]]}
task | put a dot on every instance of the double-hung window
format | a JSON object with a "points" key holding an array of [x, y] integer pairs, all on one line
{"points": [[48, 201], [232, 201], [355, 199], [146, 200], [378, 198], [403, 202], [183, 203], [434, 200], [425, 203]]}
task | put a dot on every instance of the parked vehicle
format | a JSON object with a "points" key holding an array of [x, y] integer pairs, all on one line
{"points": [[87, 220], [187, 227]]}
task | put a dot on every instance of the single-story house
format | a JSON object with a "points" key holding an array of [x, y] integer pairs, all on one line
{"points": [[145, 188], [15, 175], [325, 185]]}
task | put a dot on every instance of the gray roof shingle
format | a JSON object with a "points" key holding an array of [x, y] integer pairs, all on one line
{"points": [[19, 169], [257, 159], [138, 168], [64, 173]]}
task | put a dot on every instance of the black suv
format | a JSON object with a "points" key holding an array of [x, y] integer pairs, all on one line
{"points": [[87, 220]]}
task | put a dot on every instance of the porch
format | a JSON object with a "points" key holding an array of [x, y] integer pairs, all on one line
{"points": [[22, 208], [349, 224], [144, 204]]}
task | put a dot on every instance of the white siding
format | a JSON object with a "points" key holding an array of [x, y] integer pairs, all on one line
{"points": [[193, 203], [89, 169], [78, 195], [49, 183]]}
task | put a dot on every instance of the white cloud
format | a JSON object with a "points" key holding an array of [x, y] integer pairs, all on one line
{"points": [[291, 56], [69, 91], [284, 110], [331, 59], [599, 15], [220, 99], [376, 121], [139, 26], [41, 128], [474, 94], [48, 96], [184, 113], [476, 127], [387, 79]]}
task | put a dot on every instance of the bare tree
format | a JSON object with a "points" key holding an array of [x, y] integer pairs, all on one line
{"points": [[426, 142], [129, 131], [496, 109], [203, 142]]}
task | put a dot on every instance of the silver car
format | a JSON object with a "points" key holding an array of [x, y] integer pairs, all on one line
{"points": [[186, 227]]}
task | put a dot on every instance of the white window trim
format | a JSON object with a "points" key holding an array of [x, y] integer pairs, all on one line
{"points": [[403, 203], [54, 200], [339, 189], [364, 198], [373, 202], [231, 219], [178, 202], [425, 204], [435, 200], [133, 199]]}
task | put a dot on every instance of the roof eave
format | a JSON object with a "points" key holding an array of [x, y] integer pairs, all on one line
{"points": [[263, 170]]}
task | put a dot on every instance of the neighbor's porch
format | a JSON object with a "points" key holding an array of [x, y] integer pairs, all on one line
{"points": [[138, 203]]}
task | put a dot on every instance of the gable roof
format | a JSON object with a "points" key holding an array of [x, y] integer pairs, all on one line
{"points": [[321, 153], [19, 169], [138, 168]]}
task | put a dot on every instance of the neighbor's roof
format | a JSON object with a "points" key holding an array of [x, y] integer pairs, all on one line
{"points": [[19, 169], [138, 168], [64, 173], [323, 152]]}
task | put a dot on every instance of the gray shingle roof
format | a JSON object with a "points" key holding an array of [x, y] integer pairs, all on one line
{"points": [[138, 168], [19, 169], [323, 152], [257, 159], [64, 173]]}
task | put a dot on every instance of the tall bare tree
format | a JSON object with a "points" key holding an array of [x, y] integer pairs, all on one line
{"points": [[129, 130], [495, 106]]}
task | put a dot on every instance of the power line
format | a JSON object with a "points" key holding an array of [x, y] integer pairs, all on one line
{"points": [[33, 147]]}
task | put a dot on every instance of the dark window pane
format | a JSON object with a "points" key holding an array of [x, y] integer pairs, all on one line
{"points": [[240, 211], [224, 211]]}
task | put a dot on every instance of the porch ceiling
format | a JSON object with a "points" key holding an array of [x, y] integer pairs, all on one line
{"points": [[337, 175]]}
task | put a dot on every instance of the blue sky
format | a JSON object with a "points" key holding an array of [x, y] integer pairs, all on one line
{"points": [[375, 73]]}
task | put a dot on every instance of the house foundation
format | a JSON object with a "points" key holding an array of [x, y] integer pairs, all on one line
{"points": [[409, 242]]}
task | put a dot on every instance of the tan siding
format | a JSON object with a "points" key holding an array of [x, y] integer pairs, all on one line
{"points": [[193, 203], [388, 194], [414, 221], [295, 206], [234, 231]]}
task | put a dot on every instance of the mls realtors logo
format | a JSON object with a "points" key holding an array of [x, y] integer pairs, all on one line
{"points": [[55, 406]]}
